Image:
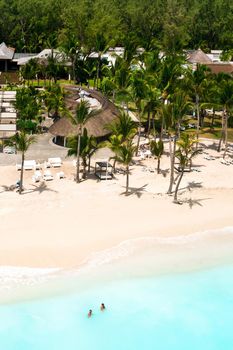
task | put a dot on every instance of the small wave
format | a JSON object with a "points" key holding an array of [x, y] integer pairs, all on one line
{"points": [[131, 246], [25, 276], [14, 276]]}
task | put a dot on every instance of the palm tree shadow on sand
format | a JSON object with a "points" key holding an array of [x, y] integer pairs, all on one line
{"points": [[6, 188], [138, 191], [164, 172], [42, 187], [191, 185], [192, 202]]}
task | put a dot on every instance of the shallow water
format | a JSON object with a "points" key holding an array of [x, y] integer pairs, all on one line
{"points": [[168, 312]]}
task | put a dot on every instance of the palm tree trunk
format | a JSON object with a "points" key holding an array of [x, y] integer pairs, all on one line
{"points": [[213, 117], [148, 123], [78, 159], [127, 180], [162, 129], [98, 71], [158, 166], [172, 157], [73, 69], [226, 135], [139, 137], [198, 120], [84, 168], [89, 164], [222, 134], [178, 184], [153, 122], [21, 175], [114, 166]]}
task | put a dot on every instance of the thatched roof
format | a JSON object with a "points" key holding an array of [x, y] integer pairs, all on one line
{"points": [[96, 125], [198, 56]]}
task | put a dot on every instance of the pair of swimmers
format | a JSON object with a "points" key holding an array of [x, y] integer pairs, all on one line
{"points": [[102, 308]]}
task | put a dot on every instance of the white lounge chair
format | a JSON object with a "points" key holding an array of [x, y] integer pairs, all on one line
{"points": [[37, 176], [225, 162], [38, 166], [60, 175], [47, 165], [148, 153], [55, 162], [28, 165], [47, 175]]}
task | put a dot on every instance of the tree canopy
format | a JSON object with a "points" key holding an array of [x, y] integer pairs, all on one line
{"points": [[31, 25]]}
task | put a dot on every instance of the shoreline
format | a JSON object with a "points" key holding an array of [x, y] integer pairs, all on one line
{"points": [[60, 224], [143, 257], [61, 240]]}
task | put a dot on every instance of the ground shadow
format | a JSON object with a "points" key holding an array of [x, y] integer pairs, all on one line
{"points": [[164, 172], [42, 187], [194, 184], [138, 191], [6, 188], [212, 146], [192, 202]]}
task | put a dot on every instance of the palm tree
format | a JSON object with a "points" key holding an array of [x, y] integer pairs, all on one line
{"points": [[225, 100], [83, 114], [54, 99], [123, 126], [71, 47], [138, 90], [124, 156], [113, 143], [122, 130], [196, 82], [88, 146], [21, 141], [101, 46], [178, 107], [28, 106], [157, 149], [185, 154]]}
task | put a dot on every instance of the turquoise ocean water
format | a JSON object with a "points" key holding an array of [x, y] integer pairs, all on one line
{"points": [[185, 311]]}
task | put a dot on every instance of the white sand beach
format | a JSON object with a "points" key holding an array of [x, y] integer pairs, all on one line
{"points": [[61, 223]]}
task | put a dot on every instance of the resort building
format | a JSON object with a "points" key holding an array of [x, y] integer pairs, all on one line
{"points": [[96, 126], [7, 114], [212, 61]]}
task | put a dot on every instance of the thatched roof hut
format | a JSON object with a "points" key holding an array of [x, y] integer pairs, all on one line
{"points": [[198, 56], [96, 126]]}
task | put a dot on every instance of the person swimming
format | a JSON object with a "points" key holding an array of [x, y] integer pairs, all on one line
{"points": [[89, 313], [102, 307]]}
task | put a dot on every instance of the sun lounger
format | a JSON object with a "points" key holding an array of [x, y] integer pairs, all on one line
{"points": [[148, 153], [209, 158], [37, 177], [55, 162], [225, 162], [38, 166], [28, 165], [9, 150], [47, 175], [60, 175], [47, 165]]}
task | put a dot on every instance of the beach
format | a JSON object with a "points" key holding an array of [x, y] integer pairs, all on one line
{"points": [[59, 224], [162, 269]]}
